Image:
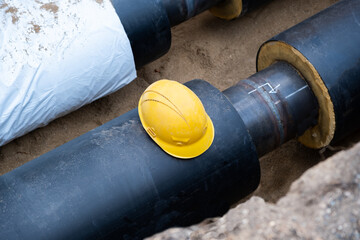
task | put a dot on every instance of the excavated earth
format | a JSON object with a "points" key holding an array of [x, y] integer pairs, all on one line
{"points": [[223, 53]]}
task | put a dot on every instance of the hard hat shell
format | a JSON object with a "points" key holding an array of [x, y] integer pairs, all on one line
{"points": [[175, 119]]}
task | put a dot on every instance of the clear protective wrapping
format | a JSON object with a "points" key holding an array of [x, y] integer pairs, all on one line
{"points": [[56, 56]]}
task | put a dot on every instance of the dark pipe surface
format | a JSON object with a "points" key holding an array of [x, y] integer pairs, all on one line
{"points": [[249, 5], [276, 105], [179, 11], [114, 182], [330, 41], [148, 23], [147, 27]]}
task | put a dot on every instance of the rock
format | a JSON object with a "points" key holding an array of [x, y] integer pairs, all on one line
{"points": [[323, 204]]}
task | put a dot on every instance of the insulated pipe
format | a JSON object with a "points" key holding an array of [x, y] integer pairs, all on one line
{"points": [[179, 11], [147, 26], [182, 10], [150, 33], [248, 5], [325, 50], [115, 182]]}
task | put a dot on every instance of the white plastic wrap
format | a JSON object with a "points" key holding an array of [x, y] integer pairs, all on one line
{"points": [[56, 56]]}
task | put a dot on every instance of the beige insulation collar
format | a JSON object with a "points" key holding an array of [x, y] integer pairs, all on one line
{"points": [[322, 134]]}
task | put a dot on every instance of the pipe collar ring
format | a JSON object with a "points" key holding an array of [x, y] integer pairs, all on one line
{"points": [[320, 135]]}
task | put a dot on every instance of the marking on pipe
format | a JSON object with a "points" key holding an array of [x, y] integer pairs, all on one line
{"points": [[277, 102], [252, 91], [270, 103], [292, 94], [272, 89]]}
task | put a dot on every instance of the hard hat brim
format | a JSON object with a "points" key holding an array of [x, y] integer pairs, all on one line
{"points": [[192, 150], [186, 151]]}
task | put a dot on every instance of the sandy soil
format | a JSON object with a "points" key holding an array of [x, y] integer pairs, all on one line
{"points": [[205, 47]]}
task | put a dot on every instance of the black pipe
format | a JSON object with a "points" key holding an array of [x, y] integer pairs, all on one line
{"points": [[335, 34], [148, 23], [179, 11], [249, 5], [116, 183], [147, 27], [329, 41], [276, 105]]}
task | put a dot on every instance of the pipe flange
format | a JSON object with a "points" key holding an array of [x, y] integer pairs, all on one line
{"points": [[322, 134], [228, 9]]}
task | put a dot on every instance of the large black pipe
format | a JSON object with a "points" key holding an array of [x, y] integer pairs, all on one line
{"points": [[325, 50], [148, 23], [248, 5], [332, 46], [115, 182], [147, 27], [181, 10]]}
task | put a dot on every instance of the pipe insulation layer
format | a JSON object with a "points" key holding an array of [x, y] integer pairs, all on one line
{"points": [[115, 182], [325, 50]]}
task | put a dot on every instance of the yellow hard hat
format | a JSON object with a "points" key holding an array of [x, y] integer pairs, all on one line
{"points": [[175, 119]]}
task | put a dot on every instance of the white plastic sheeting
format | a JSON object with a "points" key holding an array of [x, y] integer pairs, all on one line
{"points": [[56, 56]]}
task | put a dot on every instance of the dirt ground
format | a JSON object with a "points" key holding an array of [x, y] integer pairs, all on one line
{"points": [[205, 47]]}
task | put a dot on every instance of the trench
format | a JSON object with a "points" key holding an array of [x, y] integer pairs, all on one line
{"points": [[217, 51]]}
